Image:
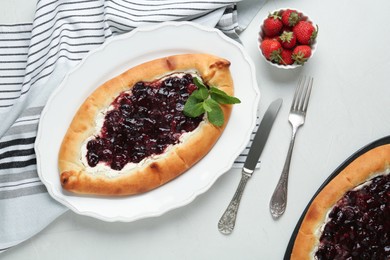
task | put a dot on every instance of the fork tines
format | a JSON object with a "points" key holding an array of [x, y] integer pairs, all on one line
{"points": [[302, 94]]}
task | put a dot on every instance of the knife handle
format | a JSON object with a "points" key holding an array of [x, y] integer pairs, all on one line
{"points": [[228, 219]]}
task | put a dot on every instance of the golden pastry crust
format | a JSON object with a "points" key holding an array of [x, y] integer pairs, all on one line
{"points": [[155, 172], [357, 172]]}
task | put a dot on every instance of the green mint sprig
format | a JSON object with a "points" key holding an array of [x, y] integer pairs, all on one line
{"points": [[209, 101]]}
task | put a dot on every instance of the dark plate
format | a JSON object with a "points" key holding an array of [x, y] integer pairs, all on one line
{"points": [[382, 141]]}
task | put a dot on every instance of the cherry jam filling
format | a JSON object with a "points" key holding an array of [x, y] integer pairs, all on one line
{"points": [[359, 226], [143, 122]]}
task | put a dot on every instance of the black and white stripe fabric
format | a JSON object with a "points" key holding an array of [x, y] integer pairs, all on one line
{"points": [[228, 23], [35, 57]]}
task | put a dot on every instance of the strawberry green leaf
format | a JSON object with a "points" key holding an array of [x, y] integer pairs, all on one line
{"points": [[275, 56], [313, 36], [275, 15], [215, 116], [294, 18], [286, 36], [221, 97]]}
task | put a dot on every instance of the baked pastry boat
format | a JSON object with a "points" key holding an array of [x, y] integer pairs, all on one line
{"points": [[131, 136], [350, 217]]}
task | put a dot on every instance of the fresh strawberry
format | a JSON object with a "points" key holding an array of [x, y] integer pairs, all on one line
{"points": [[272, 25], [290, 17], [288, 40], [305, 32], [286, 57], [286, 28], [275, 38], [301, 54], [271, 49]]}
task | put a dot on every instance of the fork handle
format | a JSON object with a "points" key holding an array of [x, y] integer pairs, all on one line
{"points": [[278, 201]]}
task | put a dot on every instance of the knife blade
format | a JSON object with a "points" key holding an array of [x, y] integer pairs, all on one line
{"points": [[227, 221], [261, 135]]}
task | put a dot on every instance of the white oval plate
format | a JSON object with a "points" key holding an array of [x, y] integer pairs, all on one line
{"points": [[114, 57]]}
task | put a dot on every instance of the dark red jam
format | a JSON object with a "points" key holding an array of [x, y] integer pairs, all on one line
{"points": [[359, 226], [143, 122]]}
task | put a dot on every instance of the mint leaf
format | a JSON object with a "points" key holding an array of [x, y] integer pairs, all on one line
{"points": [[206, 106], [221, 97], [200, 94], [199, 83], [215, 116], [207, 100], [193, 107]]}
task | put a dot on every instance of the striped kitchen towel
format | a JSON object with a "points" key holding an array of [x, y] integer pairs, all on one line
{"points": [[34, 58]]}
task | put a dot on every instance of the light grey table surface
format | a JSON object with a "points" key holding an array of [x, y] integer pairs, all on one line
{"points": [[349, 108]]}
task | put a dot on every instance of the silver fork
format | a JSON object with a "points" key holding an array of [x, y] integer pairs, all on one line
{"points": [[296, 118]]}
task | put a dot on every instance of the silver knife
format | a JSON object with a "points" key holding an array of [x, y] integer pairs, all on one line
{"points": [[228, 219]]}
